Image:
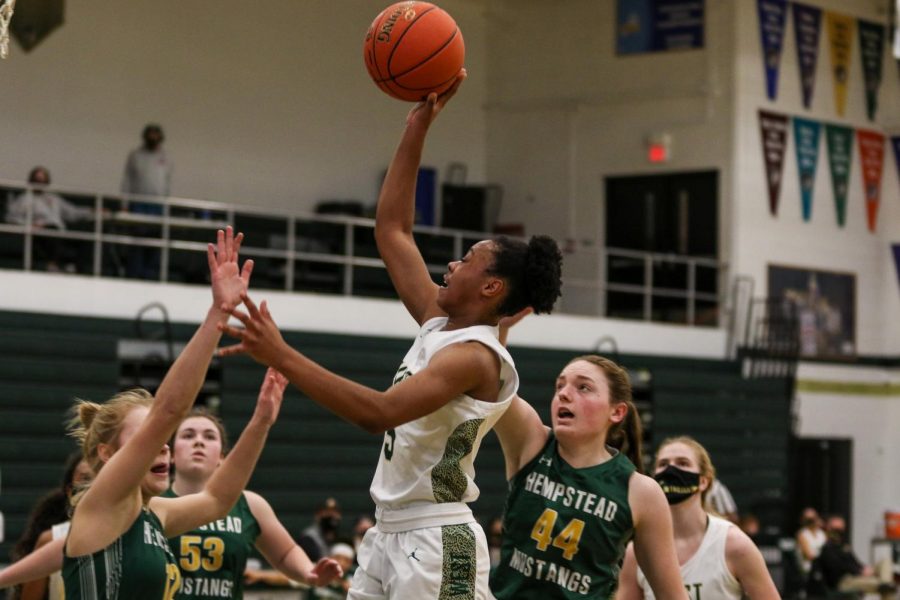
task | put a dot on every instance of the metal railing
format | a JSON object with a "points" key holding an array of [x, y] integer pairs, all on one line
{"points": [[302, 251]]}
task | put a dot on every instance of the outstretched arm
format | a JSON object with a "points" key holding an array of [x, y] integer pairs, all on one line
{"points": [[396, 208], [463, 368], [228, 481], [654, 540], [283, 553], [113, 500], [39, 564]]}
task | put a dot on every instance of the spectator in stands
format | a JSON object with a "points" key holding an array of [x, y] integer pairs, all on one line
{"points": [[749, 524], [338, 588], [148, 172], [49, 520], [360, 527], [316, 540], [810, 539], [48, 211], [495, 539], [720, 501], [838, 568]]}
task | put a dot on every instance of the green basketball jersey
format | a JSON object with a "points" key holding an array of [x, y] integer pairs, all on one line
{"points": [[564, 529], [212, 557], [137, 566]]}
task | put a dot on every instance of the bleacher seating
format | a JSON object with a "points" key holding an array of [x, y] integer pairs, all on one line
{"points": [[48, 360]]}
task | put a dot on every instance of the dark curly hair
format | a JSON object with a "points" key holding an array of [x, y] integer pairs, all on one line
{"points": [[532, 271]]}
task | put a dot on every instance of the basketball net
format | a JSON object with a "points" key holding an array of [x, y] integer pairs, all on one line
{"points": [[6, 13]]}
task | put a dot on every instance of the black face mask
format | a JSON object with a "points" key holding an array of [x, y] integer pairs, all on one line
{"points": [[678, 485], [329, 524]]}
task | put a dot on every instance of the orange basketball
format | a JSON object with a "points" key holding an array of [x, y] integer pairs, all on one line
{"points": [[412, 49]]}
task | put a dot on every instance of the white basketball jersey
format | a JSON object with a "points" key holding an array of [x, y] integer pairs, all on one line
{"points": [[706, 573], [428, 464], [57, 590]]}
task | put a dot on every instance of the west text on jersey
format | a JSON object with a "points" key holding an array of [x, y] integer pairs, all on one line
{"points": [[568, 496]]}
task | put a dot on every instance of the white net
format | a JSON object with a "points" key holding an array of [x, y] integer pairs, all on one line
{"points": [[6, 13]]}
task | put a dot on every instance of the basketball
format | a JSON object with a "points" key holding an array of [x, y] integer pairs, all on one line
{"points": [[412, 49]]}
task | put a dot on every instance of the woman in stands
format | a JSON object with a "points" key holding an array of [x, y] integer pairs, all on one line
{"points": [[452, 386], [576, 495], [717, 559], [212, 558], [49, 521]]}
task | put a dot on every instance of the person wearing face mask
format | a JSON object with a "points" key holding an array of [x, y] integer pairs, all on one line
{"points": [[810, 539], [838, 569], [49, 212], [317, 539], [717, 559]]}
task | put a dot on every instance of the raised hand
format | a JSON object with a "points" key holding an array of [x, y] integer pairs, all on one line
{"points": [[324, 572], [426, 111], [506, 323], [271, 394], [228, 280], [259, 338]]}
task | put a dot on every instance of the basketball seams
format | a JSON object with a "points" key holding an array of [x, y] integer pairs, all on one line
{"points": [[375, 27], [400, 40], [430, 56], [380, 60]]}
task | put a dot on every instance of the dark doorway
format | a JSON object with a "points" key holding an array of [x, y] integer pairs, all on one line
{"points": [[673, 214], [823, 477]]}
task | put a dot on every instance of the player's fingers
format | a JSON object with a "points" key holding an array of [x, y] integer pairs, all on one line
{"points": [[264, 310], [211, 257], [238, 240], [220, 246], [229, 242], [247, 270], [239, 315], [231, 350], [235, 332], [251, 306]]}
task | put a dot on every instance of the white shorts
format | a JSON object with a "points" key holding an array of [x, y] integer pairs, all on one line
{"points": [[448, 562]]}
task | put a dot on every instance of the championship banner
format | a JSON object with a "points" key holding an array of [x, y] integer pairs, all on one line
{"points": [[807, 28], [871, 155], [871, 49], [840, 38], [774, 128], [806, 143], [772, 15], [659, 25], [840, 152]]}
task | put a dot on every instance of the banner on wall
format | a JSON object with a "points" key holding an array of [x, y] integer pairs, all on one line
{"points": [[806, 144], [807, 30], [871, 156], [658, 25], [772, 16], [773, 127], [871, 50], [839, 141], [840, 39], [895, 249], [895, 142]]}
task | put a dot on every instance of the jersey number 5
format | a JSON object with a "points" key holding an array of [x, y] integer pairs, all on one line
{"points": [[568, 538], [192, 555], [389, 436]]}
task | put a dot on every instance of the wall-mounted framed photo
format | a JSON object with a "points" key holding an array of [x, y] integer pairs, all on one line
{"points": [[824, 303]]}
